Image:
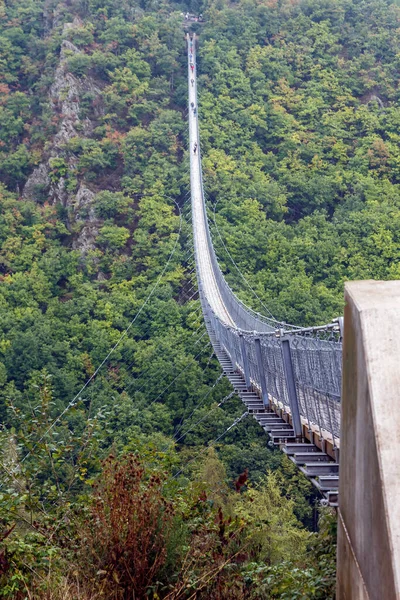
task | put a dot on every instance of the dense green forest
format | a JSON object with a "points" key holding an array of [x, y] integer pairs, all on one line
{"points": [[110, 397], [300, 126]]}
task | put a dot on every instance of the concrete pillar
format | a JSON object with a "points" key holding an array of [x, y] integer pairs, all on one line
{"points": [[369, 489]]}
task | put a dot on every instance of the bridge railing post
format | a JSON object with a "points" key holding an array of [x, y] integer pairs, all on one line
{"points": [[245, 360], [261, 372], [291, 386]]}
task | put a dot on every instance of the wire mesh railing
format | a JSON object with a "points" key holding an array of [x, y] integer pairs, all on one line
{"points": [[298, 369], [315, 365]]}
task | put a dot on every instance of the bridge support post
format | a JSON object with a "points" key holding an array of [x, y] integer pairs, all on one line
{"points": [[291, 387], [261, 373], [245, 360], [368, 558]]}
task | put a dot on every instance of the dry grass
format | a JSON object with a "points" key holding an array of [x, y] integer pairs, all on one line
{"points": [[66, 588]]}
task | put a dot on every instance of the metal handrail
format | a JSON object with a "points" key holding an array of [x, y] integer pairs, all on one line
{"points": [[297, 366]]}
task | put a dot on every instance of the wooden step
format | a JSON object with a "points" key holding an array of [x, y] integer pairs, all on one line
{"points": [[333, 498], [327, 483], [300, 458], [293, 448], [277, 442], [315, 469], [253, 403], [265, 419], [277, 426], [283, 434]]}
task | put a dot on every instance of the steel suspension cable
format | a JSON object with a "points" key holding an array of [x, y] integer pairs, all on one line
{"points": [[115, 346], [179, 375], [140, 338], [200, 402], [228, 397], [236, 422], [149, 368], [238, 269]]}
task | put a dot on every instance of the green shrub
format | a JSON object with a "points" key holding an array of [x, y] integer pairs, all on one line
{"points": [[113, 237]]}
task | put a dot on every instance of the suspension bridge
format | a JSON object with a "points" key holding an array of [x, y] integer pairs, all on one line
{"points": [[288, 377], [290, 380]]}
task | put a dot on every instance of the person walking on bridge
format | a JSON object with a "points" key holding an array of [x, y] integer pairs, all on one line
{"points": [[192, 67], [195, 148], [192, 82]]}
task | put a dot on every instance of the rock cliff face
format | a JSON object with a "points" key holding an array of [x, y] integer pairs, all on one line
{"points": [[84, 203], [64, 96]]}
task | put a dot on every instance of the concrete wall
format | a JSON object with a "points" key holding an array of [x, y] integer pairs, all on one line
{"points": [[369, 492]]}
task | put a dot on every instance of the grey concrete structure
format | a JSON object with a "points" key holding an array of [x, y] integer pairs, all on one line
{"points": [[369, 487]]}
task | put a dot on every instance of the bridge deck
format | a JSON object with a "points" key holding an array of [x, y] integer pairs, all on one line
{"points": [[231, 328], [202, 249]]}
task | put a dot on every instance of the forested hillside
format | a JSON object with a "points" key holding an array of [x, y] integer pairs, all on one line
{"points": [[300, 122], [111, 484]]}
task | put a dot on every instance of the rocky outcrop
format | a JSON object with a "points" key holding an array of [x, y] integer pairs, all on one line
{"points": [[84, 212], [83, 204], [64, 97], [372, 96], [38, 182]]}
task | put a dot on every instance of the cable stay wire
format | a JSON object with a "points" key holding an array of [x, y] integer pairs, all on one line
{"points": [[187, 292], [180, 375], [225, 399], [190, 265], [115, 346], [192, 314], [189, 253], [195, 312], [140, 338], [192, 296], [238, 269], [202, 324], [211, 443], [228, 397], [149, 369], [200, 402]]}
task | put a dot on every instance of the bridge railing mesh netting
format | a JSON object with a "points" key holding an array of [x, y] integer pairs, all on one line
{"points": [[314, 354], [316, 359]]}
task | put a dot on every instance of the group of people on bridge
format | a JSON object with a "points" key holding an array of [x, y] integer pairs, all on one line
{"points": [[192, 105], [193, 18]]}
